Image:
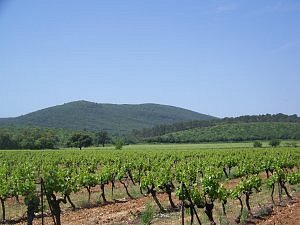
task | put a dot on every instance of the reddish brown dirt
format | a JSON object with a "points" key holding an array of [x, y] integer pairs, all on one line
{"points": [[233, 182], [288, 215], [126, 213], [116, 213]]}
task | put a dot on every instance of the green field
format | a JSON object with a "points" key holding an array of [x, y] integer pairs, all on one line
{"points": [[187, 147]]}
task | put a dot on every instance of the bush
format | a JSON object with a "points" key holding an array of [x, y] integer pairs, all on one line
{"points": [[80, 140], [274, 143], [257, 144], [119, 144]]}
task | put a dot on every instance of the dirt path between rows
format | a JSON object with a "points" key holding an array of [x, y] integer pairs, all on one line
{"points": [[126, 212], [121, 212]]}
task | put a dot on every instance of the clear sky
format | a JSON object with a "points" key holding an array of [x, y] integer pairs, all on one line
{"points": [[223, 58]]}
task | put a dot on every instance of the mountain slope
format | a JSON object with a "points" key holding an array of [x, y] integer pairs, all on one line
{"points": [[234, 132], [111, 117], [163, 129]]}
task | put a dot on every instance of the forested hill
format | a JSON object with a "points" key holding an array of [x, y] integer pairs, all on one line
{"points": [[163, 129], [113, 118], [240, 131]]}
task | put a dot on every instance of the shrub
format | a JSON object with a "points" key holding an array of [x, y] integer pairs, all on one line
{"points": [[257, 144], [119, 144], [274, 143]]}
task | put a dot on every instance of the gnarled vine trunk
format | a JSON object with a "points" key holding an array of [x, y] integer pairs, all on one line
{"points": [[168, 188], [103, 193], [272, 194], [126, 189], [3, 208], [55, 206], [152, 191], [32, 203], [247, 194], [209, 206], [71, 203], [285, 190], [225, 172], [238, 219], [89, 193]]}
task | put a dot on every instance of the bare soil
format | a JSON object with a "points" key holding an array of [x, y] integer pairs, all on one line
{"points": [[287, 215], [127, 211], [120, 212]]}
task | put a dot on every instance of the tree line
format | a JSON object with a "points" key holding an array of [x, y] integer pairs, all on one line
{"points": [[38, 138], [243, 128]]}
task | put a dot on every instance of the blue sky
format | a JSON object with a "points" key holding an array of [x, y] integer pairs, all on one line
{"points": [[223, 58]]}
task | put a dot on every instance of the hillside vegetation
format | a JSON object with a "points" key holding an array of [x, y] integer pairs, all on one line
{"points": [[87, 127], [181, 126], [117, 119], [239, 131]]}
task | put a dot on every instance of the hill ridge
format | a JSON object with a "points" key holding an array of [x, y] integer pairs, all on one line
{"points": [[119, 118]]}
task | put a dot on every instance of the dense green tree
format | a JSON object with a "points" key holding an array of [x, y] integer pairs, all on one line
{"points": [[46, 142], [6, 141], [101, 138], [80, 140], [37, 139]]}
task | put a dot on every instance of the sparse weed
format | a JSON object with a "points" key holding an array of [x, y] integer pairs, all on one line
{"points": [[147, 215], [244, 217]]}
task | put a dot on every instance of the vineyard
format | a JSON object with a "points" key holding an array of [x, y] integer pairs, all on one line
{"points": [[194, 182]]}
